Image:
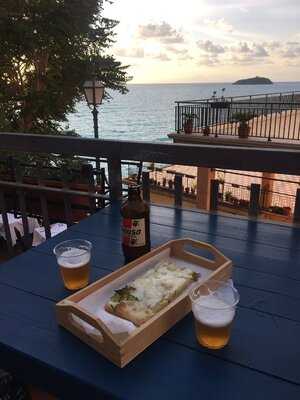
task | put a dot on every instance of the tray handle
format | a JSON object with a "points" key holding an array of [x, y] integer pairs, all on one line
{"points": [[66, 309], [218, 260]]}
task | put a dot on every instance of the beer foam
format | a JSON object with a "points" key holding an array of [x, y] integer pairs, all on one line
{"points": [[212, 311], [73, 258]]}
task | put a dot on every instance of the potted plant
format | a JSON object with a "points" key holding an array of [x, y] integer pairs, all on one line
{"points": [[206, 131], [188, 123], [228, 196], [243, 118]]}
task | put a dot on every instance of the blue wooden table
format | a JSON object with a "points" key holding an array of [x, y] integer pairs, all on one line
{"points": [[261, 362]]}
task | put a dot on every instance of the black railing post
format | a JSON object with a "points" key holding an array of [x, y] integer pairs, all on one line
{"points": [[254, 200], [178, 190], [297, 207], [271, 111], [214, 194], [146, 185], [177, 118]]}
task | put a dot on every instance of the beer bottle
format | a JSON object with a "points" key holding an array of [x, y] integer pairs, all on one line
{"points": [[135, 225]]}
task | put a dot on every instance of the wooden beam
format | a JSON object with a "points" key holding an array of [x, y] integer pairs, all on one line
{"points": [[280, 160]]}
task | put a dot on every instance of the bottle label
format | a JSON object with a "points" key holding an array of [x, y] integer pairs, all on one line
{"points": [[134, 232]]}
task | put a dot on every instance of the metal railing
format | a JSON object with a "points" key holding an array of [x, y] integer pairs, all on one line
{"points": [[270, 120], [282, 97]]}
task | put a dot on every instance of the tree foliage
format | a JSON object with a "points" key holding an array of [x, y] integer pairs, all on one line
{"points": [[48, 48]]}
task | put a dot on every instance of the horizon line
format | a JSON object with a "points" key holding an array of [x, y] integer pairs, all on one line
{"points": [[197, 83]]}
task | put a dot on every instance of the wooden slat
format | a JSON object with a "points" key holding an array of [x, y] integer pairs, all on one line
{"points": [[178, 190], [38, 188], [146, 185], [274, 158], [115, 178]]}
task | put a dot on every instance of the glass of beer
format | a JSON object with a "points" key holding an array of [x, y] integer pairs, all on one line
{"points": [[73, 258], [214, 306]]}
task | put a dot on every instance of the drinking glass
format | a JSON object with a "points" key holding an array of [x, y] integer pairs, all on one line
{"points": [[214, 307], [73, 258]]}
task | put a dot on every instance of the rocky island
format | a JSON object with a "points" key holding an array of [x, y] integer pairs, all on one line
{"points": [[258, 80]]}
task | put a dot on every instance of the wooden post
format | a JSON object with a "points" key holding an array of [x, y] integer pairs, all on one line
{"points": [[115, 179], [178, 190], [214, 194], [267, 185], [254, 200], [297, 207], [204, 177], [146, 185]]}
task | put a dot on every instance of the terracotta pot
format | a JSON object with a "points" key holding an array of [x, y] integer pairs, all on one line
{"points": [[206, 131], [243, 130], [188, 126]]}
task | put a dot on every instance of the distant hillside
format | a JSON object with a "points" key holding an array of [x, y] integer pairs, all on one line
{"points": [[258, 80]]}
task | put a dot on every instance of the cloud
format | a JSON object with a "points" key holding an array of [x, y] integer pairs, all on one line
{"points": [[131, 53], [162, 57], [176, 50], [291, 50], [209, 47], [161, 31], [219, 24], [208, 61], [259, 51]]}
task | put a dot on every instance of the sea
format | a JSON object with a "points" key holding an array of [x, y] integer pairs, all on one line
{"points": [[146, 113]]}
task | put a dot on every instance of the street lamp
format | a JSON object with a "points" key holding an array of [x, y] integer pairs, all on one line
{"points": [[94, 91]]}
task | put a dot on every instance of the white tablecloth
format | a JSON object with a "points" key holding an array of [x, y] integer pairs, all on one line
{"points": [[17, 223], [39, 234]]}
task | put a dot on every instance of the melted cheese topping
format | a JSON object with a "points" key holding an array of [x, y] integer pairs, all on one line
{"points": [[156, 286]]}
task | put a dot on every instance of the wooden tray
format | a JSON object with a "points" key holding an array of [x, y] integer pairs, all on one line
{"points": [[123, 347]]}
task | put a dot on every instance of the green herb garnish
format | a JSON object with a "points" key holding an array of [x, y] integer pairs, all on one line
{"points": [[124, 294], [195, 276]]}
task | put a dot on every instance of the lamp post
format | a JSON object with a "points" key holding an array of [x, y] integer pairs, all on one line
{"points": [[94, 92]]}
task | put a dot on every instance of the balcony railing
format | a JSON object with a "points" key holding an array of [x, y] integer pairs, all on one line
{"points": [[114, 153], [269, 120]]}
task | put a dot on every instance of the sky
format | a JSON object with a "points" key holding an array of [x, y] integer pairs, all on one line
{"points": [[172, 41]]}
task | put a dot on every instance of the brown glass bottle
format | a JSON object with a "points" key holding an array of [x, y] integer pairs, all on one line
{"points": [[135, 225]]}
